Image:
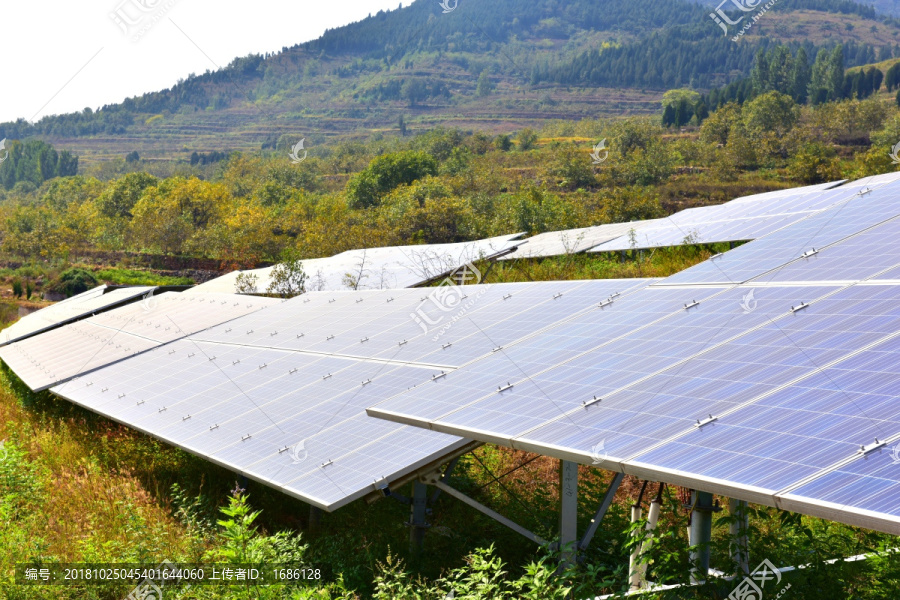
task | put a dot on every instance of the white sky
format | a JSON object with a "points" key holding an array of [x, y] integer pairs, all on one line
{"points": [[60, 56]]}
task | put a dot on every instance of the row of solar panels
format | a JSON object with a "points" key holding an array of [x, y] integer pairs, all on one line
{"points": [[765, 373], [276, 390], [374, 268], [742, 219], [773, 378]]}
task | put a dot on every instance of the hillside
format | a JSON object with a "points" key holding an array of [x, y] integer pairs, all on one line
{"points": [[498, 65]]}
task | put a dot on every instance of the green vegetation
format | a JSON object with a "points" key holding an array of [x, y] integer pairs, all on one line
{"points": [[71, 283], [524, 64], [118, 276], [447, 185], [77, 487]]}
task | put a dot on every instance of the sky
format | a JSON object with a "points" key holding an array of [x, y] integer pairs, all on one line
{"points": [[62, 56]]}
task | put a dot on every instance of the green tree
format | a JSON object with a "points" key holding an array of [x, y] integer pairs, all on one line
{"points": [[484, 86], [800, 77], [772, 112], [571, 168], [119, 198], [527, 139], [288, 279], [814, 163], [387, 172]]}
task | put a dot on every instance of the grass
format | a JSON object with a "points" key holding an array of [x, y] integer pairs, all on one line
{"points": [[651, 263], [131, 277]]}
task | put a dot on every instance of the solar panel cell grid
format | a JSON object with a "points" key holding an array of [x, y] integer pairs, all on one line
{"points": [[846, 218]]}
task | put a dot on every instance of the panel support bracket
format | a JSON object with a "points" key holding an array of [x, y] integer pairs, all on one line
{"points": [[601, 511]]}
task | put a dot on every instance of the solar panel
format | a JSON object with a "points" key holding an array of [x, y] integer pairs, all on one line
{"points": [[378, 268], [742, 219], [573, 241], [54, 356], [798, 390], [854, 258], [68, 310], [244, 394], [850, 215], [547, 385], [809, 189]]}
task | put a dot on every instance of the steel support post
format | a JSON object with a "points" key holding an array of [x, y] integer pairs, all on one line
{"points": [[417, 523], [700, 534], [740, 545], [568, 512], [315, 518]]}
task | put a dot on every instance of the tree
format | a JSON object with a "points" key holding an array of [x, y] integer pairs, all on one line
{"points": [[814, 163], [133, 157], [827, 78], [246, 283], [401, 124], [118, 199], [387, 172], [892, 77], [527, 139], [503, 142], [800, 77], [484, 86], [72, 282], [836, 72], [631, 204], [413, 91], [571, 168], [288, 279], [772, 112]]}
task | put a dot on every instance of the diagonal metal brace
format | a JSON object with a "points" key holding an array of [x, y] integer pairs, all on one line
{"points": [[601, 512], [447, 473], [436, 482]]}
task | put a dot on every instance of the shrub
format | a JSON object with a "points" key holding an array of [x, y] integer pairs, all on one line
{"points": [[17, 288], [386, 173], [72, 282]]}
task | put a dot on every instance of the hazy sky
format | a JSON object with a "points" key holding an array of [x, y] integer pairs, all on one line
{"points": [[60, 56]]}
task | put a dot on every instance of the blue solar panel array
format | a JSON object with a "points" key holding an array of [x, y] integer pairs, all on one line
{"points": [[249, 393], [851, 214], [781, 391], [767, 373]]}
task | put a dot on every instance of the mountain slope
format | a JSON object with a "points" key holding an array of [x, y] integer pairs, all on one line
{"points": [[493, 64]]}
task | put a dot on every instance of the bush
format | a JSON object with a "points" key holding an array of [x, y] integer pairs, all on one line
{"points": [[386, 173], [17, 288], [814, 163], [527, 139], [72, 282]]}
